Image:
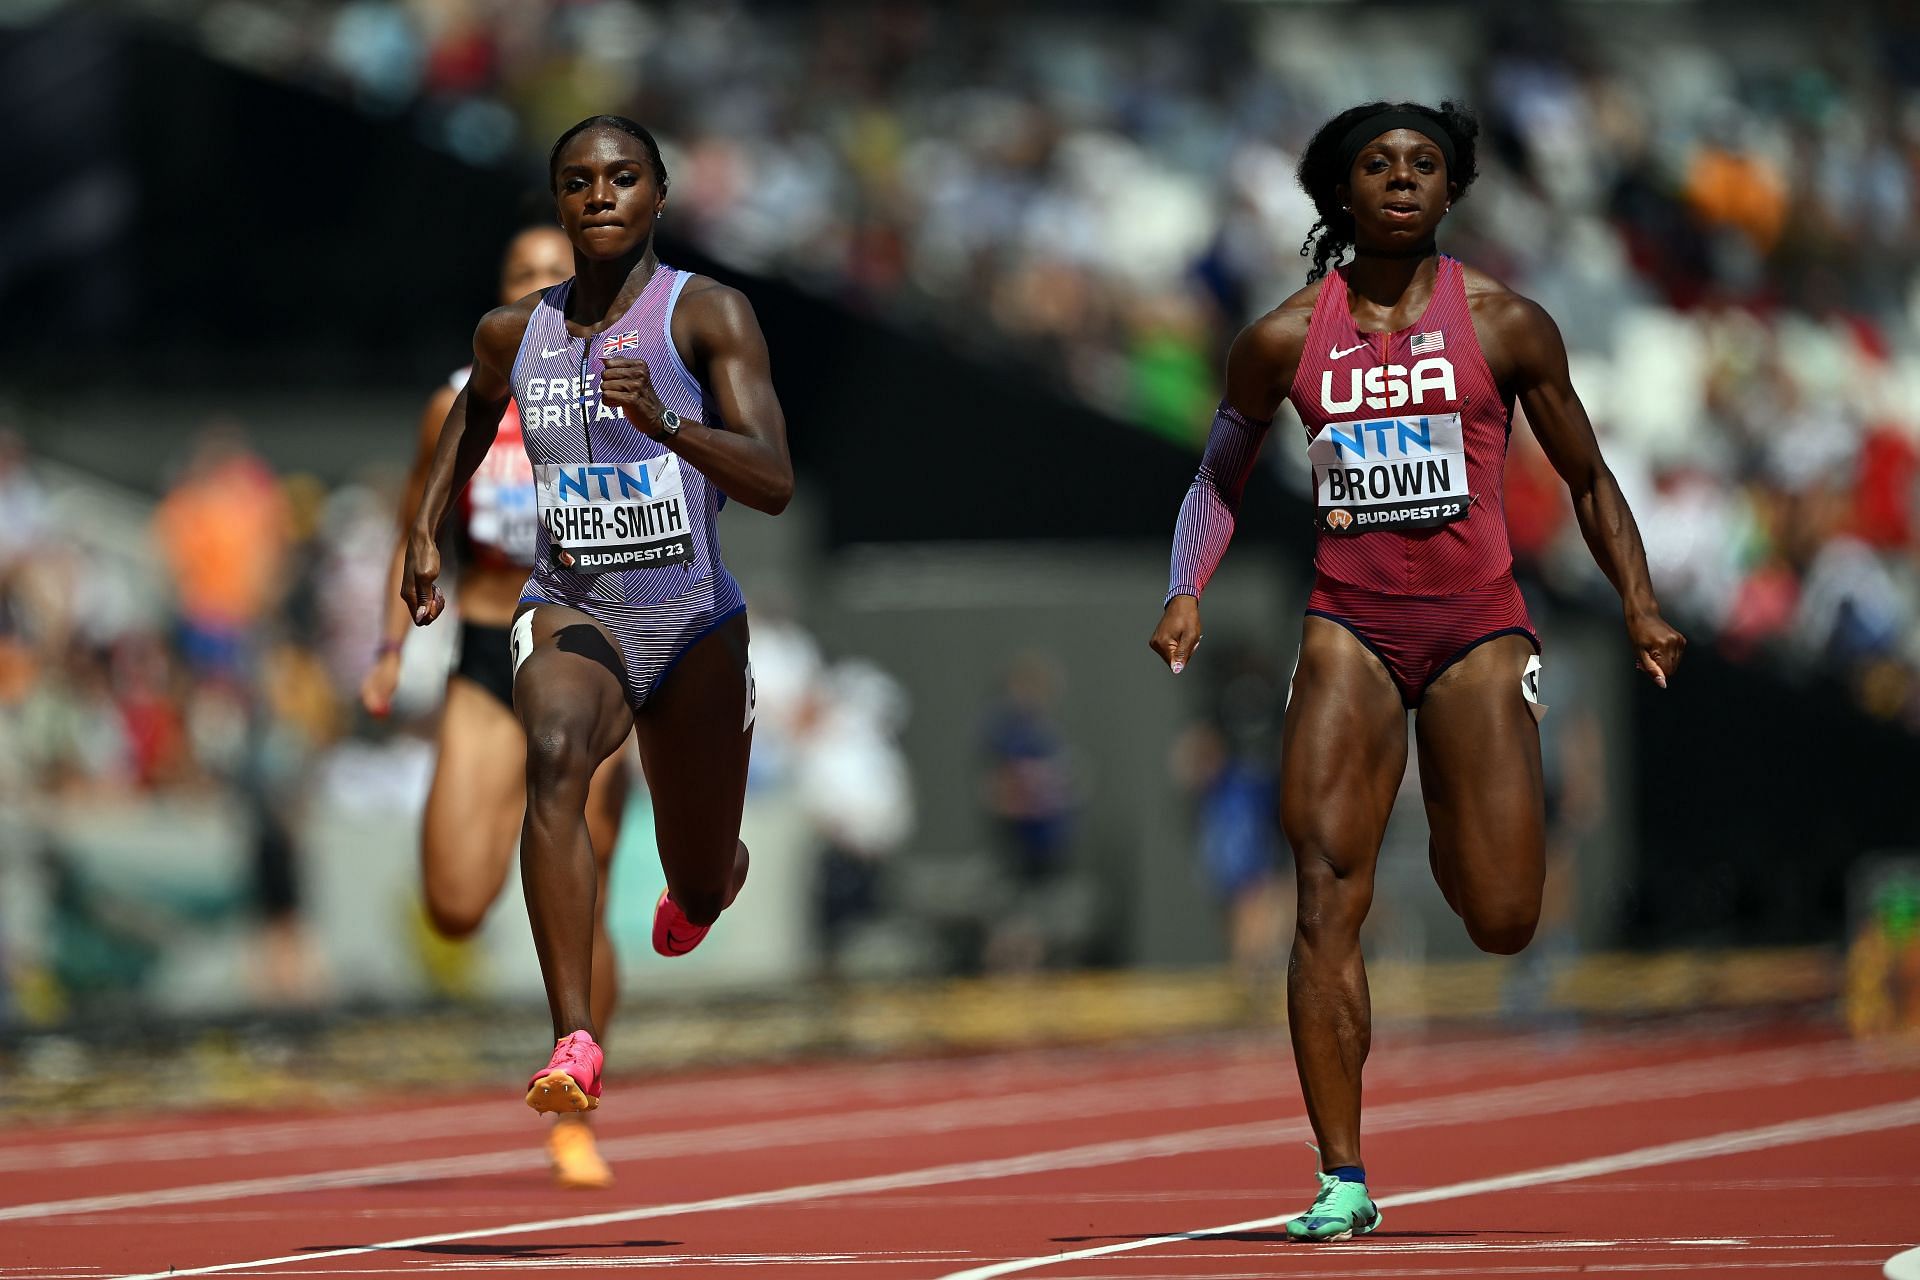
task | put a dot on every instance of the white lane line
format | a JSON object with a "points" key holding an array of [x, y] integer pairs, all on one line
{"points": [[1571, 1094], [1449, 1273], [1662, 1080], [1903, 1266], [771, 1090], [253, 1140], [871, 1258], [749, 1093], [1841, 1124], [1196, 1089], [740, 1095], [1186, 1260], [1403, 1248]]}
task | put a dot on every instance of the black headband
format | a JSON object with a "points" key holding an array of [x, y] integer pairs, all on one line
{"points": [[1386, 122]]}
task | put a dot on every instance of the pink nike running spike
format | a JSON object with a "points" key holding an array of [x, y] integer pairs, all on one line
{"points": [[571, 1080], [673, 933]]}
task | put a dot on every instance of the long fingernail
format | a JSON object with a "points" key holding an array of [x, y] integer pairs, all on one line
{"points": [[1178, 667], [420, 614]]}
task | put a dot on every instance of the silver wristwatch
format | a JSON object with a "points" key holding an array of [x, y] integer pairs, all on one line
{"points": [[669, 422]]}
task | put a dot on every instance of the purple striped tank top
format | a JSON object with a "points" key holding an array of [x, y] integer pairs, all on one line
{"points": [[610, 495]]}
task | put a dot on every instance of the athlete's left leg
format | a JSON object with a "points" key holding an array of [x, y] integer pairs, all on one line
{"points": [[695, 737], [1479, 752]]}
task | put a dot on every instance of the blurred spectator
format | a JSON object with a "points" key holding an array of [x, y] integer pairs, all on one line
{"points": [[787, 675], [23, 508], [224, 528], [1230, 763], [852, 783], [1029, 783], [112, 691], [1882, 996], [1727, 233], [1029, 796]]}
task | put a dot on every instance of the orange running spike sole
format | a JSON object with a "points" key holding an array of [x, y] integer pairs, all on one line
{"points": [[555, 1093]]}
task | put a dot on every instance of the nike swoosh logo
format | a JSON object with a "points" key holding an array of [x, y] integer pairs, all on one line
{"points": [[548, 355], [1335, 353], [680, 948]]}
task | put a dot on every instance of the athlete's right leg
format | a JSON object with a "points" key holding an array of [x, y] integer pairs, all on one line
{"points": [[575, 1157], [568, 694], [474, 808], [1343, 753], [606, 805]]}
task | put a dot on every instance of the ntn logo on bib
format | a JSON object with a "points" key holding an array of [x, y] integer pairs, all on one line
{"points": [[615, 515], [1376, 439], [590, 482], [1371, 473]]}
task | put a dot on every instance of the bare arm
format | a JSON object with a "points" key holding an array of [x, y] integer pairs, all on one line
{"points": [[1536, 360], [376, 690], [746, 458], [472, 421]]}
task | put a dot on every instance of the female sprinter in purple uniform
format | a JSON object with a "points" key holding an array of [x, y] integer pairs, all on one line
{"points": [[478, 798], [645, 394], [1405, 367]]}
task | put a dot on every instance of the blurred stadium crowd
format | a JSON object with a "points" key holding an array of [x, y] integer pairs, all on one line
{"points": [[1724, 218], [195, 662], [1725, 221]]}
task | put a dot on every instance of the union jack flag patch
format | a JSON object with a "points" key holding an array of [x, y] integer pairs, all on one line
{"points": [[614, 343], [1425, 344]]}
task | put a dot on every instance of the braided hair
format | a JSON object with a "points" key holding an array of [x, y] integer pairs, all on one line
{"points": [[624, 125], [1322, 172]]}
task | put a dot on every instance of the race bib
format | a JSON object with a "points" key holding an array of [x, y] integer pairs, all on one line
{"points": [[503, 514], [1389, 473], [602, 517]]}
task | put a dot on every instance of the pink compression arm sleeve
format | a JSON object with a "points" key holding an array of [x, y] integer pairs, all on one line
{"points": [[1206, 516]]}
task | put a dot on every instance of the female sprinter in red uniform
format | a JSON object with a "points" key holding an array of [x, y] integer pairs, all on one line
{"points": [[1405, 367], [478, 797], [645, 394]]}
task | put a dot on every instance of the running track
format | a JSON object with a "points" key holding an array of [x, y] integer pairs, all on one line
{"points": [[1757, 1152]]}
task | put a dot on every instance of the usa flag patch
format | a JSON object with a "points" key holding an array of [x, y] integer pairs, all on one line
{"points": [[614, 343], [1425, 344]]}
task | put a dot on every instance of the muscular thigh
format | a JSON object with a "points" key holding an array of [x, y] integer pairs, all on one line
{"points": [[474, 807], [695, 739], [1343, 751], [1479, 749], [568, 679]]}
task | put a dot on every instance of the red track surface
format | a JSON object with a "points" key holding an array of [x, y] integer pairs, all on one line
{"points": [[1764, 1154]]}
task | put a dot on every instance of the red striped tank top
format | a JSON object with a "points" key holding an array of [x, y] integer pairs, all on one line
{"points": [[499, 510], [1407, 433]]}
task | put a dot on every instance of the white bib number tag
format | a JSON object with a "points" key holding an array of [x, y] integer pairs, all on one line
{"points": [[504, 517], [1389, 473], [603, 517]]}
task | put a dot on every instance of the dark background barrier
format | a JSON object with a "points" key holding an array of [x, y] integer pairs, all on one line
{"points": [[176, 226]]}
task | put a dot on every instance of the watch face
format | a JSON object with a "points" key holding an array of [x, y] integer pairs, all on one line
{"points": [[670, 420]]}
